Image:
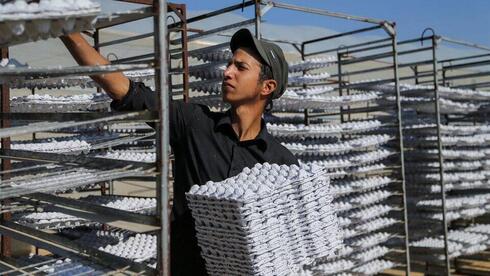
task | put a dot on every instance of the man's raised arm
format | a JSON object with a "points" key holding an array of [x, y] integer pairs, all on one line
{"points": [[116, 85]]}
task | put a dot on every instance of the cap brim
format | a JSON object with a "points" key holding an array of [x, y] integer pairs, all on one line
{"points": [[244, 38]]}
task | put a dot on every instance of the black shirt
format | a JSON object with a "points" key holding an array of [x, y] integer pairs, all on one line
{"points": [[206, 148]]}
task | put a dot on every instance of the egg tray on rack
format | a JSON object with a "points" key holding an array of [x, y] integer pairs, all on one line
{"points": [[147, 156], [146, 206], [480, 140], [453, 130], [49, 220], [322, 130], [48, 265], [215, 53], [426, 105], [62, 180], [356, 144], [345, 187], [48, 103], [76, 144], [22, 22], [312, 64]]}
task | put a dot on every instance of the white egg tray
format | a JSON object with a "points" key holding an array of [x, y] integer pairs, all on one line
{"points": [[455, 203], [207, 86], [215, 53], [80, 81], [375, 224], [371, 254], [453, 154], [62, 180], [49, 220], [362, 200], [366, 169], [450, 177], [426, 90], [21, 22], [254, 220], [370, 212], [374, 267], [332, 163], [315, 90], [48, 103], [308, 78], [337, 148], [138, 248], [344, 187], [209, 71], [322, 130], [146, 206], [476, 140], [448, 165], [290, 102], [445, 106], [312, 63], [101, 238], [74, 144], [370, 240], [130, 155], [369, 157], [451, 129], [47, 265]]}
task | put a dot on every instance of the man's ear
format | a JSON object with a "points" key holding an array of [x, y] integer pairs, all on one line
{"points": [[268, 87]]}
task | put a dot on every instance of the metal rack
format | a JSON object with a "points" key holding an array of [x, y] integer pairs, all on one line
{"points": [[70, 171], [445, 130]]}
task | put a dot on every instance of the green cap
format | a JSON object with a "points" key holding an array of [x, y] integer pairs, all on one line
{"points": [[269, 52]]}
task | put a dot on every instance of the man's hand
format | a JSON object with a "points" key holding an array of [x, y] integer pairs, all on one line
{"points": [[116, 85]]}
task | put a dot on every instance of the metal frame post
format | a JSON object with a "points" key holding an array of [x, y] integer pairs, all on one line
{"points": [[402, 154], [440, 157], [162, 188]]}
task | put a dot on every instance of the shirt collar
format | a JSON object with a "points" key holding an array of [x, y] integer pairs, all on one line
{"points": [[262, 138]]}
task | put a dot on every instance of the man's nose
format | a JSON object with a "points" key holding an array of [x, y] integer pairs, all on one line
{"points": [[228, 72]]}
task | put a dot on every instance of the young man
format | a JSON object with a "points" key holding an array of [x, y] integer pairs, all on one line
{"points": [[208, 145]]}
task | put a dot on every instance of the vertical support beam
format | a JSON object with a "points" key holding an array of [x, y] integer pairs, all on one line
{"points": [[306, 111], [185, 52], [258, 19], [97, 48], [6, 242], [341, 84], [162, 132], [441, 160], [402, 153]]}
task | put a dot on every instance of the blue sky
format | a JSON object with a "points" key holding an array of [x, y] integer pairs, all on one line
{"points": [[464, 20]]}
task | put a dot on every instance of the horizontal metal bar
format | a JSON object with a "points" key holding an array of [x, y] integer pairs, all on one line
{"points": [[49, 126], [464, 43], [348, 47], [365, 71], [66, 247], [78, 116], [340, 35], [415, 63], [473, 85], [328, 13], [471, 75], [348, 52], [118, 18], [126, 39], [133, 58], [463, 58], [73, 160], [103, 213], [465, 65], [240, 24], [58, 71], [420, 39], [217, 12], [385, 55]]}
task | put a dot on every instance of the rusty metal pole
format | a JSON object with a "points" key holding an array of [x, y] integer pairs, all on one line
{"points": [[6, 242]]}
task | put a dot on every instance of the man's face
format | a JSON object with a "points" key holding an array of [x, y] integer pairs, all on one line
{"points": [[241, 78]]}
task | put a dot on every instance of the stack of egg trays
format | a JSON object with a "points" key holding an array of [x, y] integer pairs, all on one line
{"points": [[21, 22], [243, 214]]}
